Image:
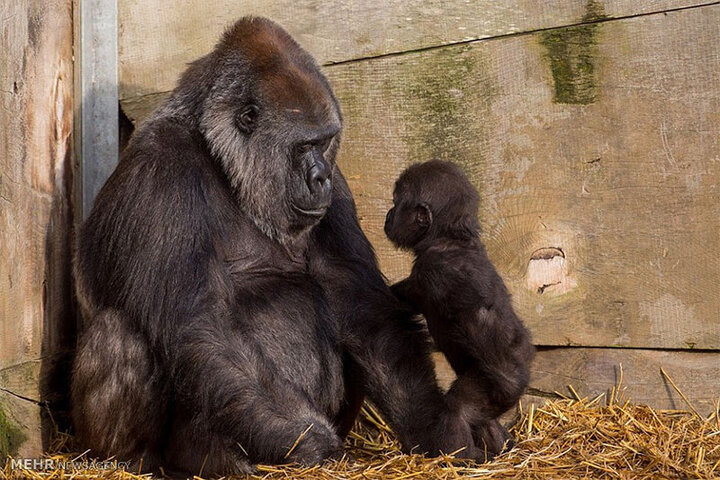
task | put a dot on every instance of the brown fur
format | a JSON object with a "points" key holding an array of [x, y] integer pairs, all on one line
{"points": [[286, 76]]}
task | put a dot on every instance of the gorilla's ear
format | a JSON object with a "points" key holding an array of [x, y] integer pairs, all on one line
{"points": [[246, 118], [423, 215]]}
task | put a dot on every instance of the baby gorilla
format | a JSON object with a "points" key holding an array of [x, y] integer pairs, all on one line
{"points": [[465, 302]]}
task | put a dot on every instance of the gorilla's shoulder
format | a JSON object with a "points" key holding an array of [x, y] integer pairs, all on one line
{"points": [[167, 140], [165, 169], [166, 154]]}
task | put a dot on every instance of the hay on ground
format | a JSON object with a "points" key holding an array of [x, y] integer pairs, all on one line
{"points": [[602, 438]]}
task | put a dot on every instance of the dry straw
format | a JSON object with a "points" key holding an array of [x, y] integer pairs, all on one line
{"points": [[602, 438]]}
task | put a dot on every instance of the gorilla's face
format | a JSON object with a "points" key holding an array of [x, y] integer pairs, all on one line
{"points": [[311, 159], [274, 124]]}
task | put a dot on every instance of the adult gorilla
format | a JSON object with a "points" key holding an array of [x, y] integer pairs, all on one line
{"points": [[231, 300]]}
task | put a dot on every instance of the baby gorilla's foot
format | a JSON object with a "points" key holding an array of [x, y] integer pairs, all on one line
{"points": [[492, 438]]}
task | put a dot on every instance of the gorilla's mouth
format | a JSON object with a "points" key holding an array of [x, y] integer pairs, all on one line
{"points": [[310, 212]]}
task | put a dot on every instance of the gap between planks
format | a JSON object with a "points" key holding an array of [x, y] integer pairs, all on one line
{"points": [[514, 34]]}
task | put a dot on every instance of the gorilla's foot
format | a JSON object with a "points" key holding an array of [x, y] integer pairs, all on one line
{"points": [[492, 439]]}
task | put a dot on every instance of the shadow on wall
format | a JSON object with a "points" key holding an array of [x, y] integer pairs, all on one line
{"points": [[61, 322], [126, 129]]}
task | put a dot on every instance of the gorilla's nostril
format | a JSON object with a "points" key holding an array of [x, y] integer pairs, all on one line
{"points": [[318, 178]]}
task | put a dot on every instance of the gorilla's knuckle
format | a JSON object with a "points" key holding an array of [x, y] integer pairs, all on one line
{"points": [[317, 445]]}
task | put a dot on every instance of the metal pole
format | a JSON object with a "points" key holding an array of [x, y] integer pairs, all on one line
{"points": [[97, 136]]}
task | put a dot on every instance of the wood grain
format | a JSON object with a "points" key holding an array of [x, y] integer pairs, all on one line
{"points": [[607, 153], [36, 118], [158, 38], [592, 371]]}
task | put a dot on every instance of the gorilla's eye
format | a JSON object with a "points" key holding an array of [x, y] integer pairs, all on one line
{"points": [[246, 119], [321, 145], [304, 148], [325, 144]]}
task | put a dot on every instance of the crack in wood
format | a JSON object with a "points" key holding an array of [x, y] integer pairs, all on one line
{"points": [[140, 98], [542, 289], [536, 392], [21, 364], [23, 397]]}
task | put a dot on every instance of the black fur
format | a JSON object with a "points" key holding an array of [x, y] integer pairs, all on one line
{"points": [[456, 287], [230, 299]]}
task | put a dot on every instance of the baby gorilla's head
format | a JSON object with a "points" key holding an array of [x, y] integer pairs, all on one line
{"points": [[432, 201]]}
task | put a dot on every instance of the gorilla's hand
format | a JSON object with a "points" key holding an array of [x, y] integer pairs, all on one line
{"points": [[455, 435]]}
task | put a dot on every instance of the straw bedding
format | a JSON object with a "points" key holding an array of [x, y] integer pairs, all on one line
{"points": [[607, 437]]}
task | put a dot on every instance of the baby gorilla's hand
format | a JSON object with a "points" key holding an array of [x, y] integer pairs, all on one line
{"points": [[482, 441]]}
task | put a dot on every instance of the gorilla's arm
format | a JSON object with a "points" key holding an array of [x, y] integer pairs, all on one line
{"points": [[382, 338], [405, 290], [229, 380]]}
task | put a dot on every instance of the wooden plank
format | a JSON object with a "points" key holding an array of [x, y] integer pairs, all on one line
{"points": [[36, 118], [598, 141], [623, 180], [158, 38], [593, 371]]}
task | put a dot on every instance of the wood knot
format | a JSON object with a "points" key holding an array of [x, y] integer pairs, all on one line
{"points": [[547, 271], [547, 253]]}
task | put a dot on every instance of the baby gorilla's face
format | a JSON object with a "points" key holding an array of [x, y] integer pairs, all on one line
{"points": [[409, 220], [433, 201]]}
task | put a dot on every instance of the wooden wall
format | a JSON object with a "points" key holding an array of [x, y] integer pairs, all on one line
{"points": [[590, 128], [36, 118]]}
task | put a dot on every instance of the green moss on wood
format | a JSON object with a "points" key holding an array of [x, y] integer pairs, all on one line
{"points": [[11, 437], [572, 53], [594, 12], [442, 88]]}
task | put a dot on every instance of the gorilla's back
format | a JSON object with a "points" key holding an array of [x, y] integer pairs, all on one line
{"points": [[153, 211]]}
